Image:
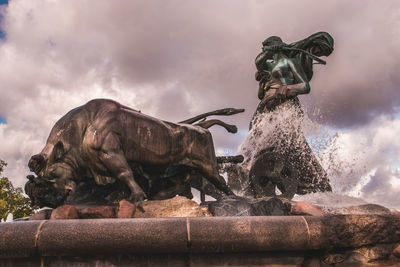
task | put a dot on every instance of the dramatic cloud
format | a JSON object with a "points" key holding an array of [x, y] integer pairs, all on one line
{"points": [[176, 59], [365, 162]]}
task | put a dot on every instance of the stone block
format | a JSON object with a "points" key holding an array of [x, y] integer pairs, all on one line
{"points": [[112, 237], [17, 239], [255, 233], [126, 209], [43, 214], [305, 208], [64, 212], [97, 212], [174, 207], [396, 251], [315, 226], [359, 230], [376, 252]]}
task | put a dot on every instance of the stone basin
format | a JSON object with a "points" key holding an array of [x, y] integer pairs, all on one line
{"points": [[364, 240]]}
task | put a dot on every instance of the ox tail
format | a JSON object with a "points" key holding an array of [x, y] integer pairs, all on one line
{"points": [[219, 112], [208, 123]]}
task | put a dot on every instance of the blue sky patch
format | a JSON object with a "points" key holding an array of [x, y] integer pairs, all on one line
{"points": [[2, 33]]}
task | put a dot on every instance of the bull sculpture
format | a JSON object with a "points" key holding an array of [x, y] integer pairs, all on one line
{"points": [[109, 142]]}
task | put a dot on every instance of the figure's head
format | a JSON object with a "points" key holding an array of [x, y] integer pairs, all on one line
{"points": [[272, 40], [273, 44]]}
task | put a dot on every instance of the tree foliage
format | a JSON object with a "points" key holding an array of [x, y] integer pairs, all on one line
{"points": [[12, 199]]}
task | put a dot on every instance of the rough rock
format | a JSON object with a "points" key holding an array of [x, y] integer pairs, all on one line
{"points": [[304, 208], [97, 212], [377, 252], [333, 258], [64, 212], [359, 230], [355, 259], [174, 207], [43, 214], [359, 209], [126, 209], [240, 206], [396, 251]]}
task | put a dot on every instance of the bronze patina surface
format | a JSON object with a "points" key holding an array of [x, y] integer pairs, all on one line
{"points": [[106, 142], [287, 162]]}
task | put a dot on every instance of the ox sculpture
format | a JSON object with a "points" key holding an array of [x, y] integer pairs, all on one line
{"points": [[104, 141]]}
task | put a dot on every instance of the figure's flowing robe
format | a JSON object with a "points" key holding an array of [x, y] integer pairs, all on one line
{"points": [[287, 140]]}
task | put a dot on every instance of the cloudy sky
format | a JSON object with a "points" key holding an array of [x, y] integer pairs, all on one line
{"points": [[176, 59]]}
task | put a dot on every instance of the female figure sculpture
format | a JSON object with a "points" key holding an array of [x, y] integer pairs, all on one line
{"points": [[284, 71], [281, 79], [283, 157]]}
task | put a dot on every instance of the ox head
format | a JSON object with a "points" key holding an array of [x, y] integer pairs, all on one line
{"points": [[42, 193], [49, 156], [51, 166]]}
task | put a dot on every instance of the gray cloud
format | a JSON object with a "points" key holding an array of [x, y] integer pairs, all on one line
{"points": [[204, 49], [362, 162], [381, 189]]}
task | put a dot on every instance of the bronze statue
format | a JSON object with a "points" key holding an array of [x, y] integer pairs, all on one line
{"points": [[105, 141], [117, 152], [284, 72]]}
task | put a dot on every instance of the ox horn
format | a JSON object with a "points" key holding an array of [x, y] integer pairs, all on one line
{"points": [[36, 163]]}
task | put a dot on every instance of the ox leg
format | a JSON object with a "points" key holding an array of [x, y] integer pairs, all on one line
{"points": [[218, 181], [118, 166], [114, 160]]}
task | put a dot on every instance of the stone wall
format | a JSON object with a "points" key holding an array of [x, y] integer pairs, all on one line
{"points": [[358, 240]]}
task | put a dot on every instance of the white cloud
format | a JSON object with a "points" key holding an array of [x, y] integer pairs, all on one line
{"points": [[362, 162]]}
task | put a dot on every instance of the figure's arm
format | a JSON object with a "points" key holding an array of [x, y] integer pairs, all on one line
{"points": [[302, 86], [263, 71], [262, 58], [261, 91]]}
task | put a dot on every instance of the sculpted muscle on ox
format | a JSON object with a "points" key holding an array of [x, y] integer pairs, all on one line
{"points": [[105, 141]]}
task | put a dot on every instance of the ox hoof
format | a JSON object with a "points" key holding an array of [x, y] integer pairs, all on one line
{"points": [[136, 197]]}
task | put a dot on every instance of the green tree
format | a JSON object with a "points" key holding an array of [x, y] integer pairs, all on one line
{"points": [[12, 200]]}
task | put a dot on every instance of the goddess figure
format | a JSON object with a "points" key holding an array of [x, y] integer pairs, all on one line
{"points": [[282, 157]]}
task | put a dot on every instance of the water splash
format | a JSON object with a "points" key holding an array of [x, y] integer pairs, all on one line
{"points": [[288, 127], [279, 128], [333, 200], [344, 156]]}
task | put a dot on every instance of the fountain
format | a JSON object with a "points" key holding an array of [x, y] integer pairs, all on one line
{"points": [[119, 184]]}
